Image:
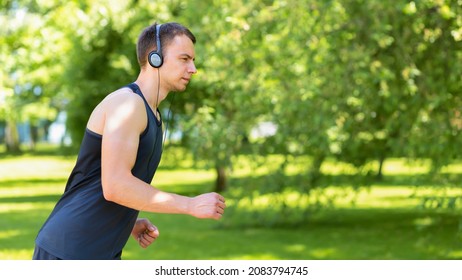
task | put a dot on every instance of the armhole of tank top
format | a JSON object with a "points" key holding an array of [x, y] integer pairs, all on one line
{"points": [[92, 133], [145, 131], [159, 121]]}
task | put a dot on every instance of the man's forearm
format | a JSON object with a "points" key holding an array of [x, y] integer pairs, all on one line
{"points": [[136, 194]]}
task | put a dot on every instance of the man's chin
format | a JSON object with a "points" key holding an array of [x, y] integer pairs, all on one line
{"points": [[181, 89]]}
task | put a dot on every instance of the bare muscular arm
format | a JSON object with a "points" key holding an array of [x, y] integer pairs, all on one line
{"points": [[121, 118]]}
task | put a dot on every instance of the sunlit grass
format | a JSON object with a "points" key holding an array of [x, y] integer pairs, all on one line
{"points": [[35, 167], [259, 165], [185, 180], [22, 254]]}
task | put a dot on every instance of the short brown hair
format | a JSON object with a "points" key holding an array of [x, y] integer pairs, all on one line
{"points": [[147, 39]]}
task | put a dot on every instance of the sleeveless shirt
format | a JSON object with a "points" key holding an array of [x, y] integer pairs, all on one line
{"points": [[83, 224]]}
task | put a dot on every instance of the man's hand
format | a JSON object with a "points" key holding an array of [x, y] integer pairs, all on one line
{"points": [[144, 232], [207, 206]]}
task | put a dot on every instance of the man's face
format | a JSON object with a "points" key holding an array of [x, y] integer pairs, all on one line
{"points": [[178, 66]]}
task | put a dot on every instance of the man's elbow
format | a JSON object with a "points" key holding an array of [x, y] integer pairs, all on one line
{"points": [[110, 187]]}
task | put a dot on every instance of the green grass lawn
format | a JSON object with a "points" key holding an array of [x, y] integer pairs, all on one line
{"points": [[385, 223]]}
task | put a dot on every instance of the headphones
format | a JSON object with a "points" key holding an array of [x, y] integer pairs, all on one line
{"points": [[155, 57]]}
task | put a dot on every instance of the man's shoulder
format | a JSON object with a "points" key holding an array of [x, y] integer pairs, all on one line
{"points": [[123, 97], [122, 105]]}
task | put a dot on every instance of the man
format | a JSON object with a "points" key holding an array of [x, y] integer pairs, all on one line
{"points": [[118, 157]]}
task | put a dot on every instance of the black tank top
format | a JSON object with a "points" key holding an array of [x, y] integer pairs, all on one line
{"points": [[83, 225]]}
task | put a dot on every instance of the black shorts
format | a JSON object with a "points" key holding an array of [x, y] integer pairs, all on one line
{"points": [[40, 254]]}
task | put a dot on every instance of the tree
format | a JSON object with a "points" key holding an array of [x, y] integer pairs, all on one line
{"points": [[392, 69], [354, 80], [31, 65]]}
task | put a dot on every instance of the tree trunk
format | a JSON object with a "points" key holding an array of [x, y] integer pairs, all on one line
{"points": [[380, 172], [12, 137], [33, 130], [315, 171], [220, 184]]}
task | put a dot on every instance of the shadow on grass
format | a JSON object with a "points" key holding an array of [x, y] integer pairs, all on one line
{"points": [[190, 189], [18, 228], [332, 233], [345, 180], [41, 150], [347, 233], [357, 234], [32, 198], [10, 183]]}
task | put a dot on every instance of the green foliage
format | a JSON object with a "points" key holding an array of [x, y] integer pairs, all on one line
{"points": [[98, 63], [359, 81], [395, 96]]}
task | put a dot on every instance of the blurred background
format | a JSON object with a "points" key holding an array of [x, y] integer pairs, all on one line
{"points": [[332, 127]]}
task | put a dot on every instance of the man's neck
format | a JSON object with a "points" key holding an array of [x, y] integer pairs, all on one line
{"points": [[151, 90]]}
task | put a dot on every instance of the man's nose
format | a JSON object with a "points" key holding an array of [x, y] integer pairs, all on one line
{"points": [[192, 68]]}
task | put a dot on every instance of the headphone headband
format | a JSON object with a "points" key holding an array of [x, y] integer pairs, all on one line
{"points": [[155, 57]]}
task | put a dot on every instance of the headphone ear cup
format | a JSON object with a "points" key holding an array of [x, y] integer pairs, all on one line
{"points": [[155, 59]]}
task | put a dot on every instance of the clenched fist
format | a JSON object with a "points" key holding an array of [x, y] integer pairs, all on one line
{"points": [[207, 206], [144, 232]]}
